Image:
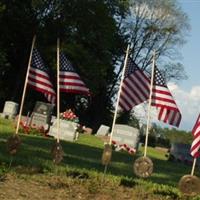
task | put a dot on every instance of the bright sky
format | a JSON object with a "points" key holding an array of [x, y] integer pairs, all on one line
{"points": [[187, 92]]}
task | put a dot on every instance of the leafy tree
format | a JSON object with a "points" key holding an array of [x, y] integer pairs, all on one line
{"points": [[156, 25], [128, 118], [90, 36], [178, 136]]}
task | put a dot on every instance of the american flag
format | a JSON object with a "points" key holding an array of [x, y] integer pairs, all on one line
{"points": [[162, 99], [196, 142], [70, 81], [38, 77], [135, 87]]}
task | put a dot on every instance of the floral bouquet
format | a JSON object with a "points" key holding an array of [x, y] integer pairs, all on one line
{"points": [[69, 115]]}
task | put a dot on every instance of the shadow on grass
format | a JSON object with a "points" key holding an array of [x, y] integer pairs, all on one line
{"points": [[34, 153], [168, 172]]}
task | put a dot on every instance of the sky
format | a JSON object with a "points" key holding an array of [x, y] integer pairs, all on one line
{"points": [[187, 92]]}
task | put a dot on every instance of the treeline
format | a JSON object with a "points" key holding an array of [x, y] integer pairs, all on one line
{"points": [[164, 137]]}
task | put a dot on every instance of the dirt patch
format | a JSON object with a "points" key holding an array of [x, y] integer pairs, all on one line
{"points": [[47, 187]]}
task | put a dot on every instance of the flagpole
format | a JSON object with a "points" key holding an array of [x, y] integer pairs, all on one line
{"points": [[58, 89], [149, 105], [193, 166], [25, 85], [118, 97]]}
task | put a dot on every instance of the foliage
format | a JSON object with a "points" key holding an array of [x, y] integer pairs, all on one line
{"points": [[91, 47], [178, 136], [155, 25], [164, 137], [128, 118], [33, 130]]}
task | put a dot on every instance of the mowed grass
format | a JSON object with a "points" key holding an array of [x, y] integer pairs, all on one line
{"points": [[84, 157]]}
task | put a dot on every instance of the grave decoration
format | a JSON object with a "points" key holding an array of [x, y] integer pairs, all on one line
{"points": [[57, 153], [69, 115], [13, 144], [107, 153], [143, 167], [108, 147], [189, 184]]}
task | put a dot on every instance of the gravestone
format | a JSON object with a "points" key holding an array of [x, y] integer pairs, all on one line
{"points": [[41, 115], [67, 130], [103, 130], [10, 109], [125, 136]]}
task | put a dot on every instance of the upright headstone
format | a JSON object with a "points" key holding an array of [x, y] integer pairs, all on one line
{"points": [[125, 137], [41, 115], [67, 130], [10, 109], [103, 130]]}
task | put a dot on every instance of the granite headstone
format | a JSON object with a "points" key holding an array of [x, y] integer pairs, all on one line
{"points": [[67, 130], [41, 115], [10, 109], [103, 130], [126, 135]]}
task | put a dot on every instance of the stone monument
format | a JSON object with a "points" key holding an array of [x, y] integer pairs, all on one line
{"points": [[10, 109], [67, 130], [41, 115], [125, 137], [103, 130]]}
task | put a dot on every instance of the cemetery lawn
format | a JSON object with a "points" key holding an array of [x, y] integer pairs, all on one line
{"points": [[31, 174]]}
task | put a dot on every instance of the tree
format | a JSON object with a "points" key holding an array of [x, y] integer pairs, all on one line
{"points": [[156, 25], [178, 136], [90, 36]]}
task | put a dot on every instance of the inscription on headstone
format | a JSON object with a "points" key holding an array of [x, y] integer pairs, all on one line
{"points": [[127, 136], [67, 130], [41, 115]]}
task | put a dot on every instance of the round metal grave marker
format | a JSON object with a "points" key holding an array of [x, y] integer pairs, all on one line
{"points": [[107, 153], [189, 185], [57, 153], [143, 167], [13, 144]]}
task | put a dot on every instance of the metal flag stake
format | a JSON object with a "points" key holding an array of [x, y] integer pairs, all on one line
{"points": [[107, 153], [14, 141], [57, 151], [143, 166]]}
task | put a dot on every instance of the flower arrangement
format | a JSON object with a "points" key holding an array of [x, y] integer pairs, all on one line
{"points": [[123, 147], [34, 130], [69, 115]]}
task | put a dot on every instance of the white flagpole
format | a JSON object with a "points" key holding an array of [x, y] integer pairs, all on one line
{"points": [[149, 105], [118, 97], [58, 89], [193, 166], [25, 85]]}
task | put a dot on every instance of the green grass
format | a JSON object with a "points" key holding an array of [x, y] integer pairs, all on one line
{"points": [[84, 157]]}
